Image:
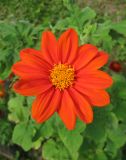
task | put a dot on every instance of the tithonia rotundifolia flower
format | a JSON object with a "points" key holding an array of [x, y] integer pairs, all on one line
{"points": [[64, 77], [2, 88]]}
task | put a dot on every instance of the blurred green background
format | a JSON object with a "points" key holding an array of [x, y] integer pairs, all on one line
{"points": [[100, 22]]}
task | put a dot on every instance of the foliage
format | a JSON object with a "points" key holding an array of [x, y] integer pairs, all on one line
{"points": [[105, 138]]}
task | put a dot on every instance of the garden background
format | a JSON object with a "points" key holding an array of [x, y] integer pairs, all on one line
{"points": [[99, 22]]}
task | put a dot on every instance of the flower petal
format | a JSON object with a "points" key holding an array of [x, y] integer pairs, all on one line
{"points": [[83, 108], [33, 57], [31, 88], [93, 79], [85, 54], [45, 105], [66, 111], [98, 62], [67, 46], [26, 71], [49, 47], [96, 97]]}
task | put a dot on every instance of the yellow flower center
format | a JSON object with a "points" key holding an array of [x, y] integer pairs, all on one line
{"points": [[62, 76]]}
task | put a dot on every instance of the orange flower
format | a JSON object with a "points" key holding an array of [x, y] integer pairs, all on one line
{"points": [[2, 90], [64, 77], [1, 82]]}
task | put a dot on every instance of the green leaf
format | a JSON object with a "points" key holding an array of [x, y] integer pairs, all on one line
{"points": [[97, 130], [72, 140], [116, 139], [101, 36], [100, 155], [22, 135], [120, 110], [86, 14], [120, 27], [122, 94], [111, 149], [16, 101], [117, 136], [46, 129], [30, 101], [114, 121], [36, 144], [67, 4], [17, 111], [6, 29], [118, 78], [53, 150]]}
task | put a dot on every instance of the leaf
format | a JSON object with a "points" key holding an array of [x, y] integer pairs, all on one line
{"points": [[30, 101], [100, 155], [118, 90], [114, 121], [16, 101], [118, 78], [120, 110], [36, 144], [45, 130], [22, 135], [116, 139], [17, 111], [67, 4], [117, 136], [72, 140], [86, 14], [97, 130], [120, 27], [122, 94], [53, 150], [111, 149], [6, 29], [101, 36]]}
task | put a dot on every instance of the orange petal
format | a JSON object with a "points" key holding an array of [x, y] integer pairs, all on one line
{"points": [[98, 62], [37, 106], [1, 81], [33, 57], [49, 47], [85, 54], [67, 46], [93, 79], [96, 97], [83, 108], [31, 88], [66, 111], [26, 71], [45, 105]]}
